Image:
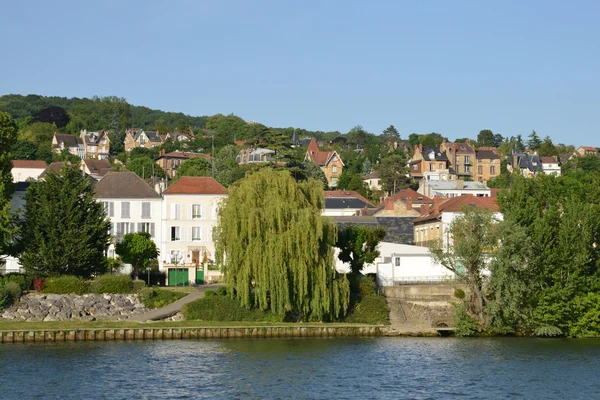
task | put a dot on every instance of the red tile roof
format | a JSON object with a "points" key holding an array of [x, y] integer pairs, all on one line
{"points": [[456, 204], [372, 175], [196, 185], [183, 154], [346, 194], [548, 160], [589, 148], [413, 195], [29, 164]]}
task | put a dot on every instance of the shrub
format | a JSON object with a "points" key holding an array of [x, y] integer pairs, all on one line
{"points": [[222, 291], [22, 280], [465, 324], [224, 308], [157, 278], [65, 284], [459, 294], [372, 310], [157, 298], [4, 297], [366, 286], [14, 290], [116, 284], [210, 293], [138, 285], [39, 284]]}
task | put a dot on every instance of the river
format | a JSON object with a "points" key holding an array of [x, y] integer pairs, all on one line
{"points": [[365, 368]]}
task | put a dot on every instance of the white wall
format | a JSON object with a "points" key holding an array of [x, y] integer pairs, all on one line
{"points": [[22, 174], [340, 212]]}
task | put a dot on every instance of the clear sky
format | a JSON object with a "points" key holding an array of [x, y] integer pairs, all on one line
{"points": [[453, 67]]}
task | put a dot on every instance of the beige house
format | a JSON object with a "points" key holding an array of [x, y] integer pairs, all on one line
{"points": [[487, 164], [461, 157], [94, 145], [27, 170], [587, 151], [189, 216], [329, 161], [373, 181], [141, 138]]}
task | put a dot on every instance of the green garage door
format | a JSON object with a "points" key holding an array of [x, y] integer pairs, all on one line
{"points": [[199, 276], [178, 277]]}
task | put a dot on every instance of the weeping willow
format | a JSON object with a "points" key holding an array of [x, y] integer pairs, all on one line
{"points": [[275, 248]]}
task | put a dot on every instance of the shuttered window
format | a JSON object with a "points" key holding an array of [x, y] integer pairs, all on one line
{"points": [[125, 208], [146, 210]]}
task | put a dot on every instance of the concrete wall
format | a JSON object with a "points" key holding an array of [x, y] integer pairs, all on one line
{"points": [[424, 291]]}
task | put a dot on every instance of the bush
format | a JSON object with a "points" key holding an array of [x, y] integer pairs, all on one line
{"points": [[222, 291], [157, 298], [157, 278], [115, 284], [14, 290], [465, 324], [4, 297], [366, 286], [371, 309], [39, 284], [22, 280], [459, 294], [138, 285], [209, 293], [65, 284], [224, 308]]}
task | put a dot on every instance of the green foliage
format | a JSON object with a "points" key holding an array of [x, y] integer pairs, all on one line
{"points": [[392, 172], [366, 287], [534, 141], [278, 247], [225, 308], [14, 290], [371, 310], [64, 229], [138, 285], [209, 293], [24, 150], [144, 167], [358, 245], [156, 298], [8, 137], [197, 166], [459, 294], [137, 249], [22, 280], [485, 138], [227, 169], [66, 284], [464, 323], [4, 297], [115, 284]]}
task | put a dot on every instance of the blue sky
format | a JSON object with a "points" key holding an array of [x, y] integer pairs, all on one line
{"points": [[453, 67]]}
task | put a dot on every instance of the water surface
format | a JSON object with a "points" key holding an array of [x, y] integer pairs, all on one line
{"points": [[378, 368]]}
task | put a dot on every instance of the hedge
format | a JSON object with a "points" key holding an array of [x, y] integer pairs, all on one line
{"points": [[217, 307], [156, 298], [65, 285], [115, 284], [22, 280]]}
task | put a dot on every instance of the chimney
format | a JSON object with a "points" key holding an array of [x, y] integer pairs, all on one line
{"points": [[425, 209], [162, 152], [468, 141], [409, 204], [389, 204], [436, 204], [460, 184], [420, 148]]}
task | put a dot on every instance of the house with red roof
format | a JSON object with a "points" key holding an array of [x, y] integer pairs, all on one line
{"points": [[329, 161], [27, 170], [587, 151], [189, 216], [433, 225]]}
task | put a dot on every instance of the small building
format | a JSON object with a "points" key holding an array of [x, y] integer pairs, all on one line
{"points": [[487, 165], [451, 189], [27, 170], [189, 216], [131, 205], [427, 159], [71, 143], [527, 164], [140, 138], [96, 168], [461, 158], [329, 161], [373, 181], [96, 144], [255, 156], [550, 166], [587, 151], [344, 203], [406, 202], [170, 162]]}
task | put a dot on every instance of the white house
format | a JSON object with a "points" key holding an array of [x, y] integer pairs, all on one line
{"points": [[435, 188], [373, 181], [550, 166], [131, 205], [189, 216], [27, 170]]}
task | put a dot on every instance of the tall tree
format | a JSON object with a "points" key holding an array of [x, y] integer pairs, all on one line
{"points": [[275, 248], [358, 245], [534, 141], [498, 139], [8, 228], [197, 166], [547, 148], [8, 138], [227, 169], [392, 172], [137, 249], [486, 138], [144, 167], [116, 134], [64, 229], [471, 238], [54, 115], [24, 150], [390, 135]]}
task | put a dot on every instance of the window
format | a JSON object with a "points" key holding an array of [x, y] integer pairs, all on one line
{"points": [[334, 182], [479, 160], [440, 166], [467, 168], [492, 170], [415, 167], [175, 211], [458, 159], [147, 227], [333, 169], [196, 211], [109, 208], [431, 167], [124, 209], [467, 160], [123, 228], [480, 169], [196, 233], [146, 209], [175, 234], [397, 261]]}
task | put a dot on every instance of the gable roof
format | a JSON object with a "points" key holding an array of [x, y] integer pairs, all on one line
{"points": [[321, 158], [432, 153], [410, 194], [68, 140], [97, 167], [372, 175], [529, 161], [345, 199], [196, 185], [456, 204], [94, 137], [29, 164], [589, 148], [548, 160], [55, 166], [123, 185]]}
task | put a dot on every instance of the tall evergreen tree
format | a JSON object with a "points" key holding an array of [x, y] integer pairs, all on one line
{"points": [[8, 137], [276, 250], [534, 141], [64, 230]]}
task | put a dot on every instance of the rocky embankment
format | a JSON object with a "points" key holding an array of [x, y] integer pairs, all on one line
{"points": [[71, 307]]}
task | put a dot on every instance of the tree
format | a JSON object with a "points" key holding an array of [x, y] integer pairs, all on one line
{"points": [[161, 127], [144, 167], [54, 115], [547, 148], [392, 172], [227, 169], [390, 135], [24, 150], [116, 134], [486, 138], [197, 166], [367, 167], [137, 249], [275, 248], [182, 127], [471, 238], [498, 139], [64, 229], [534, 141], [303, 171], [8, 137], [8, 228], [358, 245]]}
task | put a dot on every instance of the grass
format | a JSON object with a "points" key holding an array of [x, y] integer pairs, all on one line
{"points": [[156, 298], [181, 289], [65, 325]]}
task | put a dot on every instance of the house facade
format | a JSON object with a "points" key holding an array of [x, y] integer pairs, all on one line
{"points": [[93, 145], [140, 138], [527, 164], [550, 166], [71, 143], [255, 156], [487, 165], [451, 189], [170, 162], [461, 158], [189, 215], [373, 181], [587, 151], [329, 161], [131, 205], [427, 159], [27, 170]]}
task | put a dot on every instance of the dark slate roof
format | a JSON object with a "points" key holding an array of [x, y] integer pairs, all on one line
{"points": [[68, 140], [350, 202], [487, 154], [124, 185], [437, 154], [398, 229], [530, 161]]}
